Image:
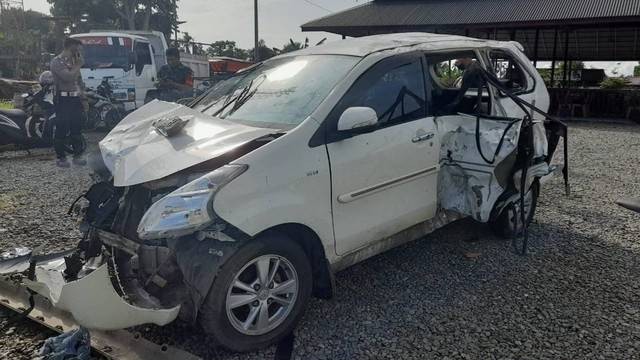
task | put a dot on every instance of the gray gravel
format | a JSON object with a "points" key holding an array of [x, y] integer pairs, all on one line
{"points": [[461, 293]]}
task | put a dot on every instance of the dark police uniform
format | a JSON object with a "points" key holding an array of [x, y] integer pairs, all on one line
{"points": [[68, 105]]}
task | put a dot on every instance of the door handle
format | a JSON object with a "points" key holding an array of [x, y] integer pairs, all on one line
{"points": [[424, 137]]}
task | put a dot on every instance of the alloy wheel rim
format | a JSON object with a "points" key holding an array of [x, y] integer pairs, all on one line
{"points": [[262, 295]]}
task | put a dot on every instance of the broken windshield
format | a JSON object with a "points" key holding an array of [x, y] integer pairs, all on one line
{"points": [[106, 56], [279, 91]]}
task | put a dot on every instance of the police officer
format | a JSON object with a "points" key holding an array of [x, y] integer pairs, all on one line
{"points": [[68, 102], [175, 79]]}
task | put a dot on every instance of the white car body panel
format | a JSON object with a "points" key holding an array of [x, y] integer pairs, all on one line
{"points": [[135, 153], [282, 186], [80, 298], [383, 183], [467, 184]]}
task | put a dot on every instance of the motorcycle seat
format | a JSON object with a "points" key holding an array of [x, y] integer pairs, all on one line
{"points": [[632, 204], [13, 113]]}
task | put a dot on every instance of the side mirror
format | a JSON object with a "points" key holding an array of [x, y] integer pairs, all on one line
{"points": [[357, 118]]}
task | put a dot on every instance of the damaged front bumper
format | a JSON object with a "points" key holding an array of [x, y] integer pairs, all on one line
{"points": [[93, 300]]}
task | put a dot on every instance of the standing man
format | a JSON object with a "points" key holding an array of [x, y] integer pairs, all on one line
{"points": [[175, 79], [68, 104]]}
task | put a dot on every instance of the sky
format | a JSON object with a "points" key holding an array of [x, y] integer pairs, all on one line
{"points": [[211, 20]]}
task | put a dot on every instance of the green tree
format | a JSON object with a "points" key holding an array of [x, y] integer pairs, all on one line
{"points": [[294, 46], [227, 48], [22, 34], [448, 74], [84, 15], [264, 52], [636, 70], [614, 83]]}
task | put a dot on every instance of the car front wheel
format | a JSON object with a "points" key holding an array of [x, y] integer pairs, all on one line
{"points": [[259, 295]]}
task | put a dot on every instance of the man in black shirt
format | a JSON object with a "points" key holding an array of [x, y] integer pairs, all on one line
{"points": [[175, 79]]}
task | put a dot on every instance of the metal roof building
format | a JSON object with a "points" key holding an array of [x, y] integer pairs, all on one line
{"points": [[587, 30]]}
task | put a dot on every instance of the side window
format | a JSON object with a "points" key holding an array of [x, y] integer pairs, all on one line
{"points": [[143, 56], [456, 84], [509, 71], [394, 88]]}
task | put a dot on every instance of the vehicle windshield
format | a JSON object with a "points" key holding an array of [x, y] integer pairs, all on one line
{"points": [[279, 92], [106, 57]]}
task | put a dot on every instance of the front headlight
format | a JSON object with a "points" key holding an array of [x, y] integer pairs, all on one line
{"points": [[189, 208]]}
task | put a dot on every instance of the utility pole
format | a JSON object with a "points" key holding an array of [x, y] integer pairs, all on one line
{"points": [[256, 50]]}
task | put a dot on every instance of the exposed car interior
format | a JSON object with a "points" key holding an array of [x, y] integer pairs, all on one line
{"points": [[447, 83]]}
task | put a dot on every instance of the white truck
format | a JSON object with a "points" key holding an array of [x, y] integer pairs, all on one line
{"points": [[131, 61]]}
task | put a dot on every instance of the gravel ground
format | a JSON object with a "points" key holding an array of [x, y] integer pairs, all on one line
{"points": [[575, 296]]}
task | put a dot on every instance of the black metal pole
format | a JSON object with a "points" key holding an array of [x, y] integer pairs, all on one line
{"points": [[553, 57], [535, 48], [256, 50], [566, 59]]}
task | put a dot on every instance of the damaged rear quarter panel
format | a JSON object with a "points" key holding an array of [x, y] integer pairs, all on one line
{"points": [[467, 184]]}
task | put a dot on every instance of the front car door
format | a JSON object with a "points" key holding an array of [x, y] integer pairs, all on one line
{"points": [[384, 180]]}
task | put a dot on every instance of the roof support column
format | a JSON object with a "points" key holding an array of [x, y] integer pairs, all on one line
{"points": [[535, 48], [566, 59], [635, 43], [553, 57]]}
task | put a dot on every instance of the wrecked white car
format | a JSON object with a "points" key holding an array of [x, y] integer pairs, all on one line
{"points": [[232, 212]]}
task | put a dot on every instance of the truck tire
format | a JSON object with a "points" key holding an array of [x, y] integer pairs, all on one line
{"points": [[506, 225], [259, 295]]}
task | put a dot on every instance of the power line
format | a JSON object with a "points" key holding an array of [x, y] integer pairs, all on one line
{"points": [[318, 6]]}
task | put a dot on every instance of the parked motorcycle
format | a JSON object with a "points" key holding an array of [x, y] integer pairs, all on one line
{"points": [[33, 126], [103, 109]]}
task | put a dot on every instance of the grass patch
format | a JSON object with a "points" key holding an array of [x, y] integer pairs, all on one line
{"points": [[6, 105]]}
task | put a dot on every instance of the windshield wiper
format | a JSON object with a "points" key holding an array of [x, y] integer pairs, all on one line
{"points": [[244, 73], [239, 100]]}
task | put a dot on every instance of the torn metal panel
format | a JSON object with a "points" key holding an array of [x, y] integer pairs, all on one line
{"points": [[135, 153], [120, 344], [18, 264], [81, 296], [467, 184]]}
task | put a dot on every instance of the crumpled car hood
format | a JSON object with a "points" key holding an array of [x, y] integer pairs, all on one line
{"points": [[135, 153]]}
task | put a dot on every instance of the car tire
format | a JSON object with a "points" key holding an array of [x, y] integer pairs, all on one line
{"points": [[221, 314], [505, 224]]}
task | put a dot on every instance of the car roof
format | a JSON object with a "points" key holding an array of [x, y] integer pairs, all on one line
{"points": [[363, 46]]}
